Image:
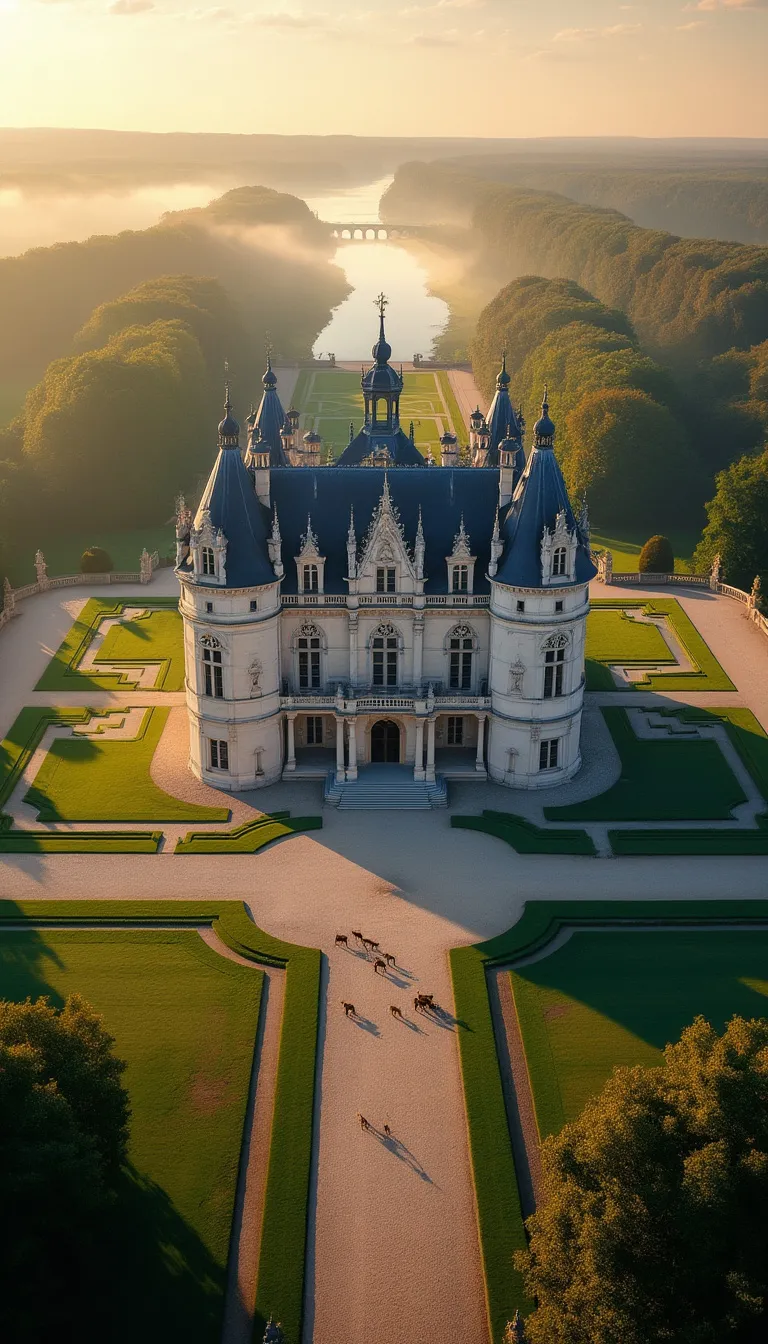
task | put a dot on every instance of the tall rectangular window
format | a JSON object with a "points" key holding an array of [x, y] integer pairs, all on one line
{"points": [[548, 754], [386, 579], [209, 560], [460, 579], [559, 560], [460, 668], [213, 673], [455, 732], [314, 730], [385, 660], [554, 661], [218, 754], [310, 579], [309, 664]]}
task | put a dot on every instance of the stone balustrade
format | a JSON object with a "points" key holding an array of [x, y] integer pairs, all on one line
{"points": [[12, 596]]}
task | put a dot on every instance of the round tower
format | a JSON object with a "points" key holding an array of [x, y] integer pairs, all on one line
{"points": [[540, 572]]}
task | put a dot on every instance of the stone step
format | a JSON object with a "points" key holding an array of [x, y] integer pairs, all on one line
{"points": [[377, 789]]}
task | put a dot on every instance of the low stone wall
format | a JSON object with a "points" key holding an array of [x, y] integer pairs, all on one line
{"points": [[12, 596], [607, 575]]}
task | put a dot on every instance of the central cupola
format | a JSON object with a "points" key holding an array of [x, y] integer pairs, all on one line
{"points": [[381, 442]]}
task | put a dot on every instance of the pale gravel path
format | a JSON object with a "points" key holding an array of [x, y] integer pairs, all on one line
{"points": [[466, 392]]}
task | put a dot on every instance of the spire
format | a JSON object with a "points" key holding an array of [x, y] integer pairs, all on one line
{"points": [[544, 429], [275, 546], [503, 379], [351, 530], [268, 379], [229, 429], [382, 349], [351, 431], [411, 433], [351, 547], [419, 549]]}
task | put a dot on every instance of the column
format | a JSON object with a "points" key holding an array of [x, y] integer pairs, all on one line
{"points": [[291, 762], [352, 767], [340, 751], [352, 625], [418, 769], [418, 649], [479, 759], [430, 775]]}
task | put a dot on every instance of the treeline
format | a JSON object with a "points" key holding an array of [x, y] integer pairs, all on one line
{"points": [[620, 435], [698, 202], [266, 249]]}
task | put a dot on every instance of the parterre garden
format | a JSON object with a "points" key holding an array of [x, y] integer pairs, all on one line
{"points": [[330, 399]]}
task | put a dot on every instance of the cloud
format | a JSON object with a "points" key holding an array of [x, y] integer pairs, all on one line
{"points": [[709, 5], [587, 34], [130, 6], [286, 20]]}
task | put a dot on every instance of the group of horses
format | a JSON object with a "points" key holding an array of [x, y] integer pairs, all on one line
{"points": [[422, 1003]]}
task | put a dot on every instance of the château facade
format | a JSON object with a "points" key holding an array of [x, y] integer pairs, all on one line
{"points": [[384, 609]]}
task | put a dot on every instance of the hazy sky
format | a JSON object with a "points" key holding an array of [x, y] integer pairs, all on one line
{"points": [[458, 67]]}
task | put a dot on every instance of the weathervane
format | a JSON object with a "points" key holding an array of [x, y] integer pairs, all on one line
{"points": [[381, 302]]}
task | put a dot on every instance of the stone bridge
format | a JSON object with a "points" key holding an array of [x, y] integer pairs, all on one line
{"points": [[375, 232]]}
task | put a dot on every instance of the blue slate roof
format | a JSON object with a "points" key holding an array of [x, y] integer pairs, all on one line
{"points": [[539, 497], [443, 493], [501, 417], [270, 418], [246, 524], [401, 450]]}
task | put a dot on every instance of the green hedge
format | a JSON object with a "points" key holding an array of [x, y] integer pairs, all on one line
{"points": [[24, 737], [80, 842], [280, 1286], [247, 838], [499, 1213], [660, 781], [526, 838], [62, 673]]}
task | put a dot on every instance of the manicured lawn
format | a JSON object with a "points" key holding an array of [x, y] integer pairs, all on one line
{"points": [[248, 838], [605, 999], [155, 638], [94, 779], [524, 837], [63, 552], [330, 398], [614, 637], [458, 422], [185, 1020], [660, 781], [707, 676]]}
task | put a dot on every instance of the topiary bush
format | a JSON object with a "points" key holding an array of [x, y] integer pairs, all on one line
{"points": [[657, 556], [96, 561]]}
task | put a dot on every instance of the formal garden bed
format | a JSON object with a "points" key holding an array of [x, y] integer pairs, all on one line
{"points": [[604, 998], [613, 639], [660, 781], [249, 837], [185, 1019], [154, 639], [92, 778], [524, 836]]}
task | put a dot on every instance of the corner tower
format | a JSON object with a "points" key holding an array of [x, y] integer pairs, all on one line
{"points": [[540, 572]]}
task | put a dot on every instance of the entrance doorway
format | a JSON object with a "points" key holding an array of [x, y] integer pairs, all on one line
{"points": [[385, 742]]}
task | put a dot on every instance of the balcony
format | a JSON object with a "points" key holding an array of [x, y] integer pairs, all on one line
{"points": [[344, 699]]}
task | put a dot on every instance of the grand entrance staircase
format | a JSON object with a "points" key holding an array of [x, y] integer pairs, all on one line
{"points": [[385, 787]]}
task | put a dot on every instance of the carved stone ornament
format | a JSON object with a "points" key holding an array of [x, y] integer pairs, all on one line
{"points": [[516, 675], [384, 631], [254, 672], [535, 732], [556, 642], [210, 642], [461, 632], [308, 630]]}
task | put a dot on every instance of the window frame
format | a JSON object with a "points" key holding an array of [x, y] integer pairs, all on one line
{"points": [[218, 754], [549, 753], [454, 732], [386, 579]]}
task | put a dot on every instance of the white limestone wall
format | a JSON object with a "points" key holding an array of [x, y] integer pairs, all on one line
{"points": [[521, 718]]}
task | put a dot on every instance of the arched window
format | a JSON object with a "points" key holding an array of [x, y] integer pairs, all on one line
{"points": [[559, 560], [213, 671], [311, 583], [554, 665], [461, 645], [209, 561], [308, 646], [384, 651]]}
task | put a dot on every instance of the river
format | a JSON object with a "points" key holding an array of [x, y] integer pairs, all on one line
{"points": [[414, 317]]}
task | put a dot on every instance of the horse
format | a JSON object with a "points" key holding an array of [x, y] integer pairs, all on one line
{"points": [[390, 960], [379, 965], [363, 1122], [370, 944], [395, 1011], [349, 1008], [341, 940], [356, 934]]}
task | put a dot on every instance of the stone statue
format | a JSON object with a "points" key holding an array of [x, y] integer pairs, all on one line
{"points": [[254, 672], [605, 567], [516, 674], [515, 1331], [273, 1333], [41, 568], [145, 566], [716, 572], [755, 596]]}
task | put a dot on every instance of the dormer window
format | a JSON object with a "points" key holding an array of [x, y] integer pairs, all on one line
{"points": [[559, 560], [559, 545], [310, 564], [386, 579], [209, 563], [208, 547], [460, 579], [461, 563]]}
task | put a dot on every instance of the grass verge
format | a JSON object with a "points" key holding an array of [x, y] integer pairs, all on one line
{"points": [[248, 838], [524, 837], [709, 675], [660, 781], [460, 427], [151, 640]]}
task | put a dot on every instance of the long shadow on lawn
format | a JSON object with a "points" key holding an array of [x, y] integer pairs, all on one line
{"points": [[24, 954], [655, 983]]}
